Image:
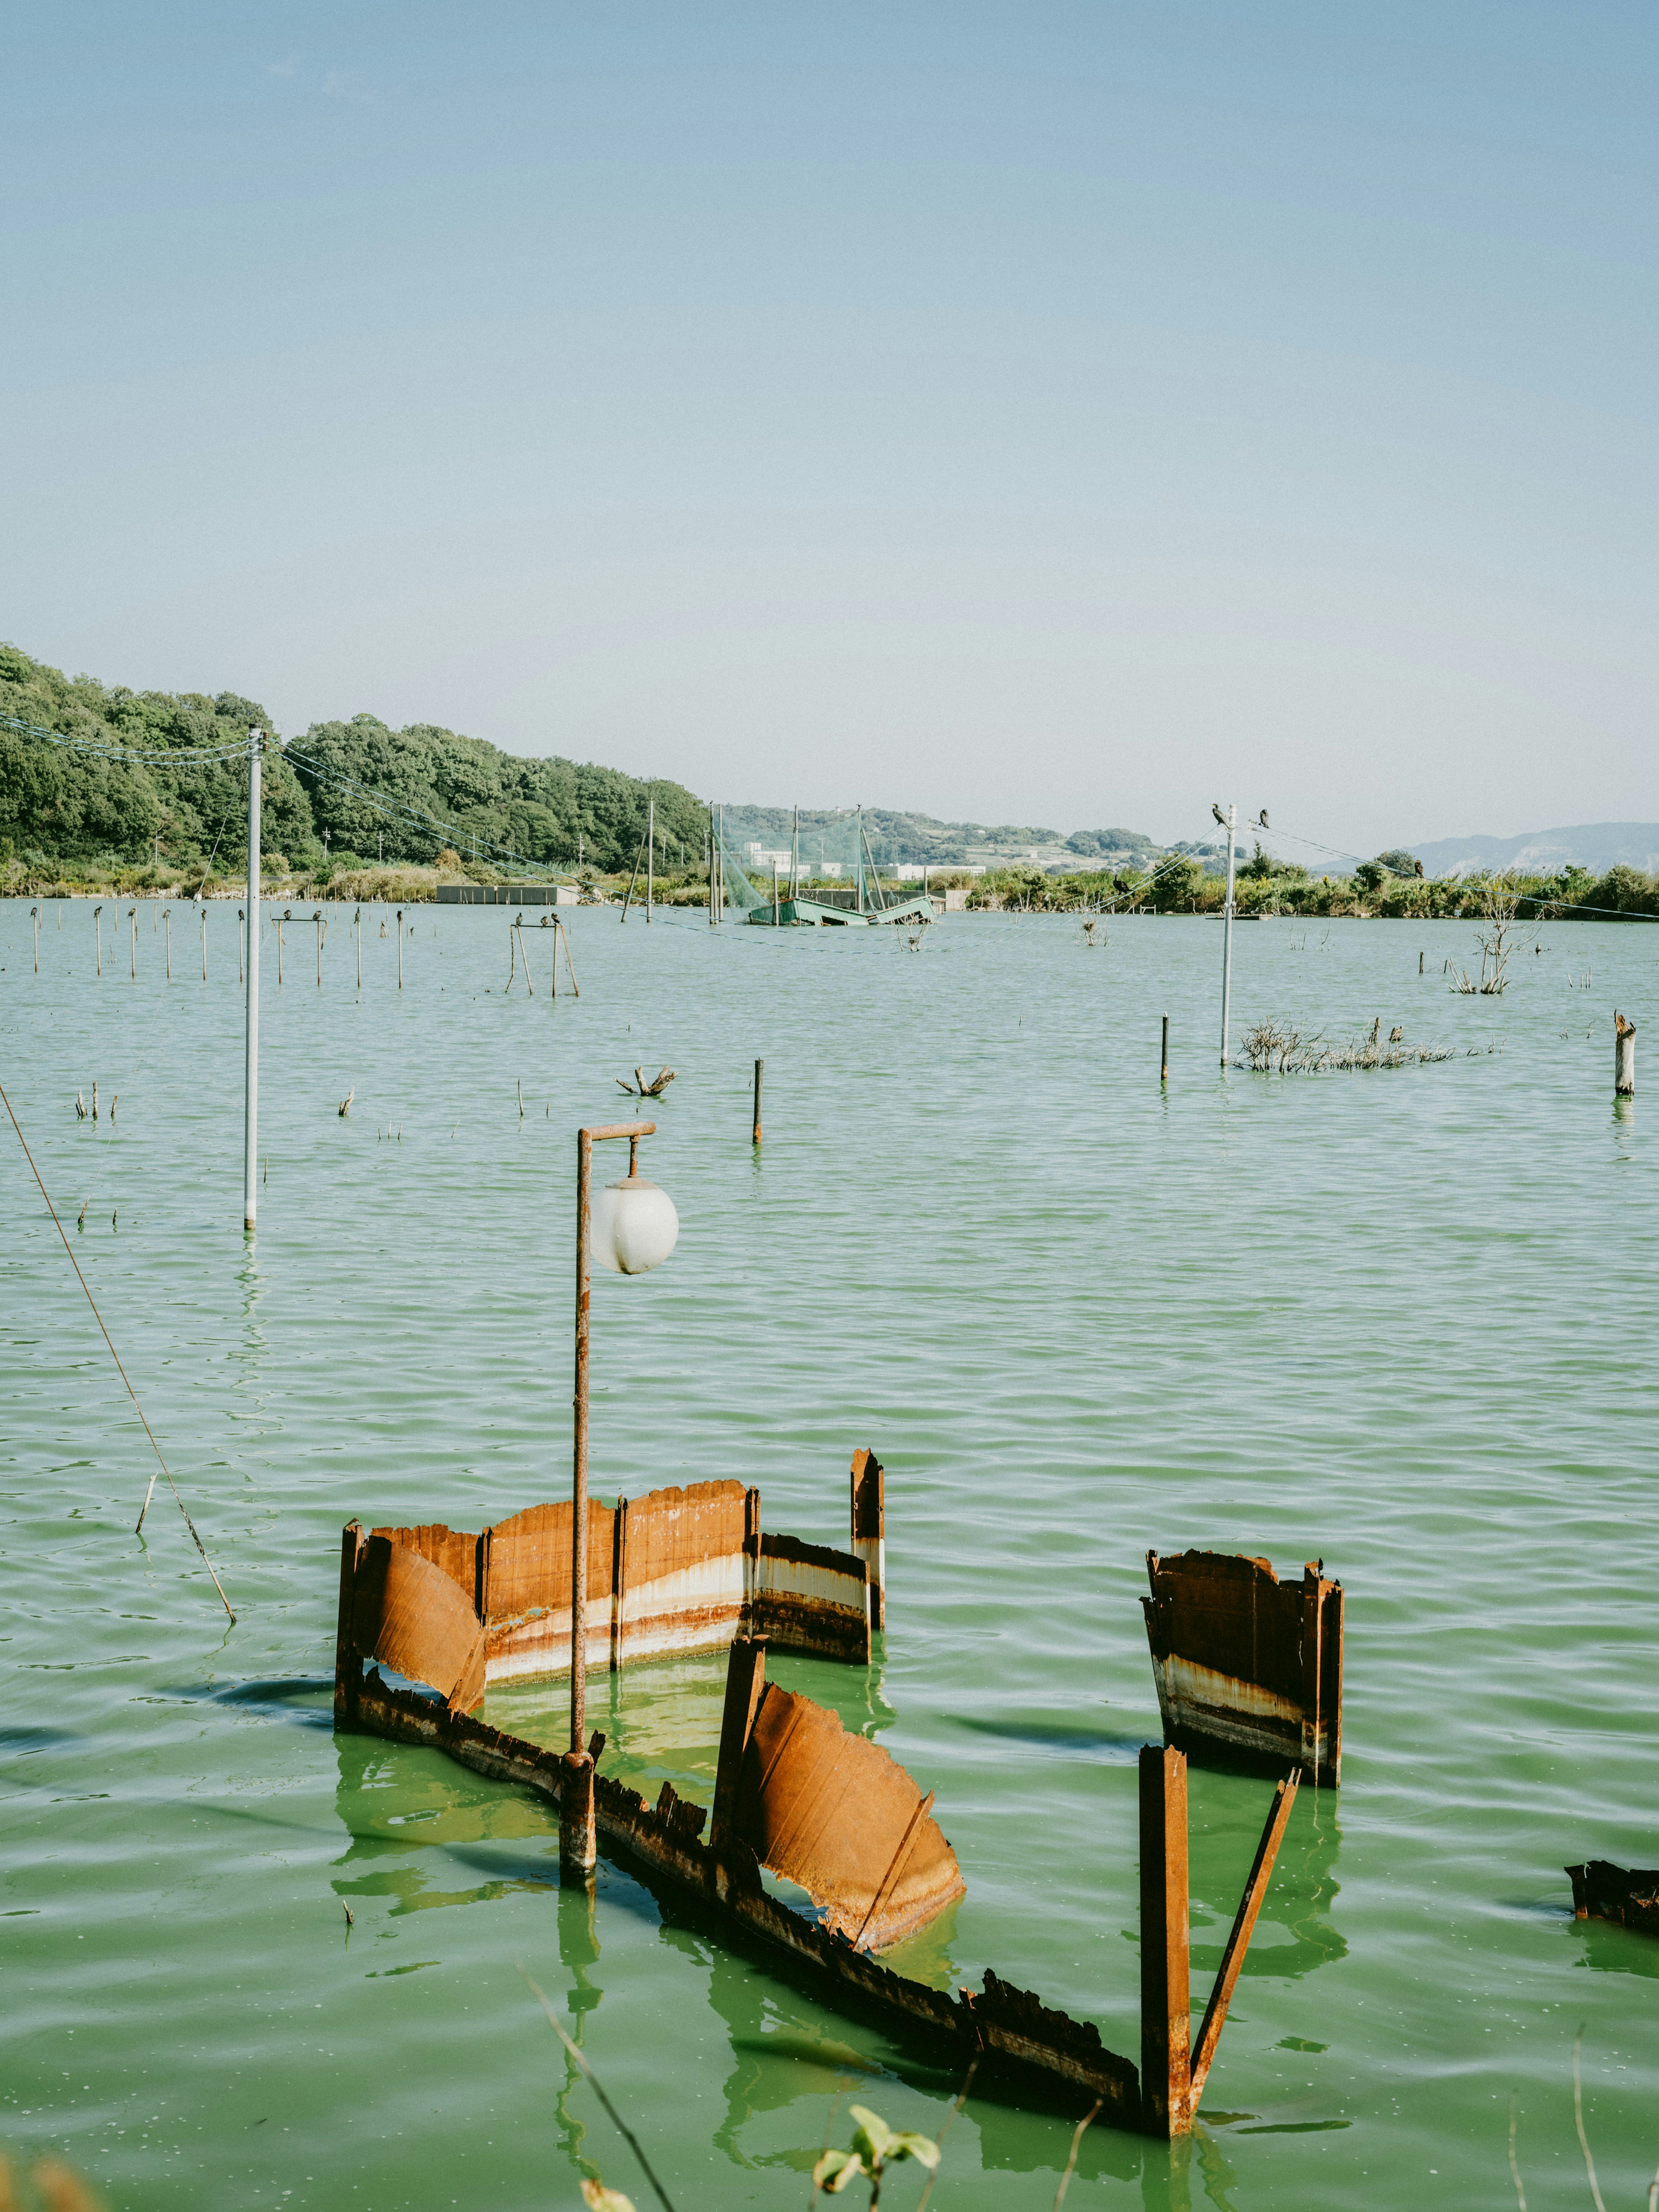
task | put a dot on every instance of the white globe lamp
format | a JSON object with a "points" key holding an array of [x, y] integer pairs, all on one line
{"points": [[635, 1226]]}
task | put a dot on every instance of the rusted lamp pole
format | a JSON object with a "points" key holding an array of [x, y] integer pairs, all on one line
{"points": [[631, 1229]]}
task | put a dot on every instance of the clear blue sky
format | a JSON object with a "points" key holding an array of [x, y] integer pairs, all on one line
{"points": [[1048, 413]]}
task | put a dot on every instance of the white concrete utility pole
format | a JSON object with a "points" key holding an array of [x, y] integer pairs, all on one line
{"points": [[1227, 932], [255, 745]]}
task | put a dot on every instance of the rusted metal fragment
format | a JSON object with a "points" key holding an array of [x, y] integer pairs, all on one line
{"points": [[452, 1549], [409, 1614], [1245, 1661], [1238, 1942], [1042, 2056], [836, 1813], [680, 1587], [809, 1598], [1017, 2026], [1629, 1896], [1165, 1977], [869, 1540], [524, 1590]]}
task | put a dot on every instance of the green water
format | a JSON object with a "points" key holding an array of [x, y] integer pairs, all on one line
{"points": [[1403, 1321]]}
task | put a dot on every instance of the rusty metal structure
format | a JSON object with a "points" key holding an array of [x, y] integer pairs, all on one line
{"points": [[794, 1794], [1628, 1896], [1247, 1663]]}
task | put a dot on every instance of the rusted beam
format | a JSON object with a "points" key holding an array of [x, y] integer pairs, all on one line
{"points": [[869, 1530], [1232, 1960], [1165, 1972], [745, 1683], [578, 1842], [348, 1665]]}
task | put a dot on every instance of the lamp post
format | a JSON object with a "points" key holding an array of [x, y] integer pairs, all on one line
{"points": [[630, 1227]]}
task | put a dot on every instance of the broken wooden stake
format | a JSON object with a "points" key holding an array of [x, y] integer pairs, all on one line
{"points": [[759, 1066], [1163, 1069]]}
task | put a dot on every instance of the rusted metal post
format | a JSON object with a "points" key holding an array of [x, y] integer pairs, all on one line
{"points": [[578, 1842], [348, 1666], [1165, 1976], [745, 1683], [869, 1530], [577, 1845], [1238, 1943], [1164, 1068], [1624, 1057], [759, 1065]]}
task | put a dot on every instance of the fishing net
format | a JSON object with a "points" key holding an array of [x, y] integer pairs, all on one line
{"points": [[754, 841]]}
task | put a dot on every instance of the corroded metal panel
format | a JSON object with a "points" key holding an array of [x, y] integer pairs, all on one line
{"points": [[809, 1598], [1244, 1659], [1626, 1895], [682, 1584], [409, 1614], [836, 1813]]}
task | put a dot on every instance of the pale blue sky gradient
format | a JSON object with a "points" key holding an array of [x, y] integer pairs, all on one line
{"points": [[1049, 413]]}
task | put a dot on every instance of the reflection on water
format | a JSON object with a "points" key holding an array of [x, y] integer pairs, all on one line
{"points": [[1609, 1950], [395, 1802], [1294, 1934]]}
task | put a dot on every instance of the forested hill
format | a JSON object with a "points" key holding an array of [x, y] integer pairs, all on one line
{"points": [[59, 805]]}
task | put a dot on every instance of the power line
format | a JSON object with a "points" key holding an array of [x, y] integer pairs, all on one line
{"points": [[400, 810], [175, 754], [119, 1370]]}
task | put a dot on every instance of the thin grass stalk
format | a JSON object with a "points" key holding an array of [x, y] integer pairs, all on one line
{"points": [[616, 2119], [1071, 2161], [1578, 2121]]}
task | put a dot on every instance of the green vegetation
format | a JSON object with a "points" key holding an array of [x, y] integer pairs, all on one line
{"points": [[1379, 889], [70, 818]]}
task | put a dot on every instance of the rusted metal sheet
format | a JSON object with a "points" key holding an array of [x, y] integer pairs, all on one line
{"points": [[836, 1813], [1036, 2053], [408, 1614], [869, 1540], [524, 1590], [681, 1584], [452, 1549], [1165, 1974], [808, 1598], [1626, 1895], [1245, 1661]]}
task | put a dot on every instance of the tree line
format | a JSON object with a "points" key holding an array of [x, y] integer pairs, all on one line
{"points": [[56, 805]]}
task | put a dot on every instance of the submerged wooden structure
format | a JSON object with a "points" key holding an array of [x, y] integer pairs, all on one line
{"points": [[794, 1794], [1627, 1896]]}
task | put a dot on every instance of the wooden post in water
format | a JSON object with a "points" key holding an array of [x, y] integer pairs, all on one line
{"points": [[1420, 963], [1227, 937], [1163, 1070], [1166, 1972], [97, 929], [400, 948], [34, 916], [168, 919], [1624, 1057], [759, 1066], [132, 924], [650, 854], [204, 922], [318, 918], [357, 924]]}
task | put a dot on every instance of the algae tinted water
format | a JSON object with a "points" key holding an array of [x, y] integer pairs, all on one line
{"points": [[1401, 1320]]}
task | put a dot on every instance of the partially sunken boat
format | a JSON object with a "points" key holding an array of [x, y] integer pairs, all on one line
{"points": [[797, 898]]}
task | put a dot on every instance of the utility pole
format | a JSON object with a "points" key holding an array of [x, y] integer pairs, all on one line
{"points": [[255, 741], [1227, 936], [650, 854]]}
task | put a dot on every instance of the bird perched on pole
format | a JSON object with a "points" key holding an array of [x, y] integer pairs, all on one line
{"points": [[1263, 822], [1219, 815]]}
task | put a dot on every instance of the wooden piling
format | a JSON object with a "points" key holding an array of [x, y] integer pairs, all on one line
{"points": [[1165, 1969], [1624, 1057], [34, 916], [357, 924], [1420, 963], [759, 1066], [168, 918], [1163, 1070], [400, 948], [132, 924], [98, 931]]}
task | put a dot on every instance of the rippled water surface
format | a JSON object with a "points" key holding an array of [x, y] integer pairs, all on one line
{"points": [[1401, 1320]]}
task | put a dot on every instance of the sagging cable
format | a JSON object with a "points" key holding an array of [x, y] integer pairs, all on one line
{"points": [[120, 1371]]}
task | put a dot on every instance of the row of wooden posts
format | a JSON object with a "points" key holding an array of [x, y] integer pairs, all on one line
{"points": [[164, 917]]}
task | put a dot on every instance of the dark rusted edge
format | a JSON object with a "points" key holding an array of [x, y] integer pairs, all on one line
{"points": [[1627, 1897], [811, 1555], [1049, 2057]]}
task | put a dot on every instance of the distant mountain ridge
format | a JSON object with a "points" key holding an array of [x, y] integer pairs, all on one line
{"points": [[898, 836], [1597, 845]]}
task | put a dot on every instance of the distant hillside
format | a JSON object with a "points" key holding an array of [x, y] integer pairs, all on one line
{"points": [[1597, 845], [436, 787], [922, 838]]}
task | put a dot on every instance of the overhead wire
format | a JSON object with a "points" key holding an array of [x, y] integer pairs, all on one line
{"points": [[121, 1370], [66, 741]]}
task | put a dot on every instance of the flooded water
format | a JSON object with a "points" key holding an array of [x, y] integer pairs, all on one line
{"points": [[1403, 1321]]}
